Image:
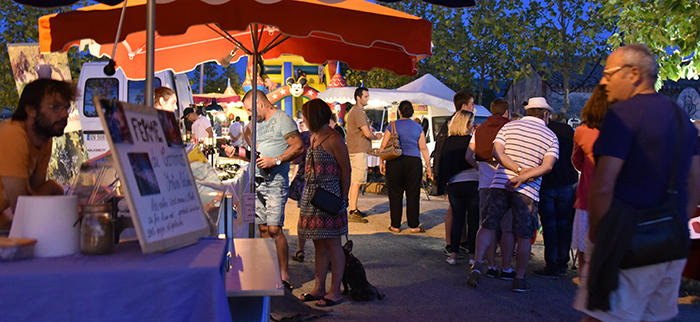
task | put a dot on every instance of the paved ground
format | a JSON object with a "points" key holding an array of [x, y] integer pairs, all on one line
{"points": [[420, 286]]}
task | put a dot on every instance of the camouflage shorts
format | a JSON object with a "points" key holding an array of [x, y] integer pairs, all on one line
{"points": [[524, 209]]}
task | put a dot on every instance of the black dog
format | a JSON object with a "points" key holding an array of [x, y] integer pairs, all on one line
{"points": [[354, 276]]}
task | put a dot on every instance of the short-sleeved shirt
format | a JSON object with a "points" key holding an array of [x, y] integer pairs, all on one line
{"points": [[18, 157], [235, 129], [641, 131], [271, 143], [409, 132], [356, 139], [527, 141], [199, 127]]}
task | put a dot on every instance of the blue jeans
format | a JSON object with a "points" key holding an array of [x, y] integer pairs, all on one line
{"points": [[556, 217]]}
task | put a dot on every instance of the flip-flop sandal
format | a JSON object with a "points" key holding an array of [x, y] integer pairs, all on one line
{"points": [[418, 230], [328, 302], [306, 297], [287, 286], [299, 256], [394, 230]]}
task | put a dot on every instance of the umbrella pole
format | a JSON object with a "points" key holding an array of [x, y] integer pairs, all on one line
{"points": [[381, 126], [254, 119], [150, 50]]}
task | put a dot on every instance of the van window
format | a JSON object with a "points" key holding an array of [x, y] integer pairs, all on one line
{"points": [[138, 88], [438, 122], [107, 88]]}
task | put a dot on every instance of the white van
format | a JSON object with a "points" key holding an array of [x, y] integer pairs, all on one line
{"points": [[94, 82]]}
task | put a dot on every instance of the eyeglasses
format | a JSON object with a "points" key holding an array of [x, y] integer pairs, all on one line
{"points": [[608, 73]]}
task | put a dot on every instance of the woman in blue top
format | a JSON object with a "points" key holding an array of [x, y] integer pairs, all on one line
{"points": [[404, 174]]}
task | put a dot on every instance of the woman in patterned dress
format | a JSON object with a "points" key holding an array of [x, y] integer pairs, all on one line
{"points": [[327, 167]]}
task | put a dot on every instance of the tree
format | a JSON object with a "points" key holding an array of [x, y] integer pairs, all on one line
{"points": [[19, 25], [566, 35], [375, 78], [669, 28], [214, 81], [494, 31]]}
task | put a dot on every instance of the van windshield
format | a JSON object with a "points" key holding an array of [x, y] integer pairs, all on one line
{"points": [[106, 88]]}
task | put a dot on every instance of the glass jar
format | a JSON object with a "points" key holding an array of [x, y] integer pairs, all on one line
{"points": [[96, 229]]}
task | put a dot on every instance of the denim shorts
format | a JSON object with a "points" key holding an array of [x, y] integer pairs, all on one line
{"points": [[524, 209], [271, 199]]}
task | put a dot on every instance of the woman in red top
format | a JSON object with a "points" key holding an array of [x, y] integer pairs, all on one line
{"points": [[582, 158]]}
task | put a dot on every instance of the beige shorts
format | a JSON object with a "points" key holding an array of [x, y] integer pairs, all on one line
{"points": [[648, 293], [358, 163]]}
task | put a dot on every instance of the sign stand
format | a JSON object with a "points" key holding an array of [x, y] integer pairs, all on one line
{"points": [[155, 175]]}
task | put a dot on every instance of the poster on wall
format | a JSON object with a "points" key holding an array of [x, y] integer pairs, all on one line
{"points": [[155, 175], [68, 151]]}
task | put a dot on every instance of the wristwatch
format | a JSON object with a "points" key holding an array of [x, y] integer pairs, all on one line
{"points": [[278, 161]]}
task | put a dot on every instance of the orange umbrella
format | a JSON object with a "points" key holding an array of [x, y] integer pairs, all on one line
{"points": [[360, 33]]}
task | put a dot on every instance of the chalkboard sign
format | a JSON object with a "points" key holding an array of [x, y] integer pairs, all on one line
{"points": [[155, 175]]}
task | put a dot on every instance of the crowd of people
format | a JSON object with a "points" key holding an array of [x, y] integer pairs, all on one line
{"points": [[503, 179]]}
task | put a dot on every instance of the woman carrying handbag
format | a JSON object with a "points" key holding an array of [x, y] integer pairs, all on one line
{"points": [[404, 173], [325, 219]]}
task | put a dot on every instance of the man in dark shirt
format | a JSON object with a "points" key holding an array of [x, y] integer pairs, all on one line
{"points": [[634, 157], [557, 197]]}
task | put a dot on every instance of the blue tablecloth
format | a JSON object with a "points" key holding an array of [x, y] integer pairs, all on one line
{"points": [[183, 285]]}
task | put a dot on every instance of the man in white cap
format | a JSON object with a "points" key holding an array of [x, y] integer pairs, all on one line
{"points": [[525, 150]]}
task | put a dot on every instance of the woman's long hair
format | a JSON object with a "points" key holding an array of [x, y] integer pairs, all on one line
{"points": [[461, 123], [593, 112]]}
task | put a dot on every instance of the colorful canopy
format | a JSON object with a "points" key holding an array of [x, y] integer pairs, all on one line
{"points": [[222, 33]]}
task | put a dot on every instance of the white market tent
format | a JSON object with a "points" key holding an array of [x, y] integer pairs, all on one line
{"points": [[426, 90]]}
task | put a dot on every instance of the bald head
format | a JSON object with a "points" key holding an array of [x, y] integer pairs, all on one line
{"points": [[265, 109], [639, 55]]}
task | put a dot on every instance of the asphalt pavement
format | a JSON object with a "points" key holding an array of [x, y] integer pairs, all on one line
{"points": [[410, 269]]}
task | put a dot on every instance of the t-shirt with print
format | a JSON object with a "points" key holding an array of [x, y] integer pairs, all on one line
{"points": [[641, 131], [356, 139], [271, 143], [527, 141], [18, 157], [199, 128], [409, 133]]}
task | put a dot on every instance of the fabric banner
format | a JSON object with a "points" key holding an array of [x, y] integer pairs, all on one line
{"points": [[29, 64]]}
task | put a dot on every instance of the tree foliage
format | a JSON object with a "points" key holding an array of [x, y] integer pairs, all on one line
{"points": [[494, 32], [669, 28], [565, 36], [215, 80]]}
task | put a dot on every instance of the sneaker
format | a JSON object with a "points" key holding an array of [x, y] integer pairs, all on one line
{"points": [[357, 211], [521, 285], [451, 261], [474, 275], [545, 273], [492, 273], [446, 251], [355, 217], [507, 276], [463, 248]]}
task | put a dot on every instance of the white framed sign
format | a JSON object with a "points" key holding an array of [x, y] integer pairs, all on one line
{"points": [[155, 175]]}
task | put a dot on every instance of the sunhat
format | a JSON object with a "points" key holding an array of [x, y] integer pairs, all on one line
{"points": [[538, 102]]}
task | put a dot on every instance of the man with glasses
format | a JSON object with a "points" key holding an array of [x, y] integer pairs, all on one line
{"points": [[25, 148], [634, 157]]}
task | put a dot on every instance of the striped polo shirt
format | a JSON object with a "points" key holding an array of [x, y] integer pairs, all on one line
{"points": [[527, 141]]}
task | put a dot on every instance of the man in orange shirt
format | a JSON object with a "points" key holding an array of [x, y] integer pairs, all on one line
{"points": [[25, 141]]}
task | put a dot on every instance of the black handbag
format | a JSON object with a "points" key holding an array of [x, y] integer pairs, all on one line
{"points": [[661, 232], [296, 188], [322, 198]]}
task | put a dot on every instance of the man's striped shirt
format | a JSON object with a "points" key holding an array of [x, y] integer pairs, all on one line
{"points": [[527, 141]]}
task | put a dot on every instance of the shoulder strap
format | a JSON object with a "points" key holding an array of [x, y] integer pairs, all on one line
{"points": [[671, 185]]}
